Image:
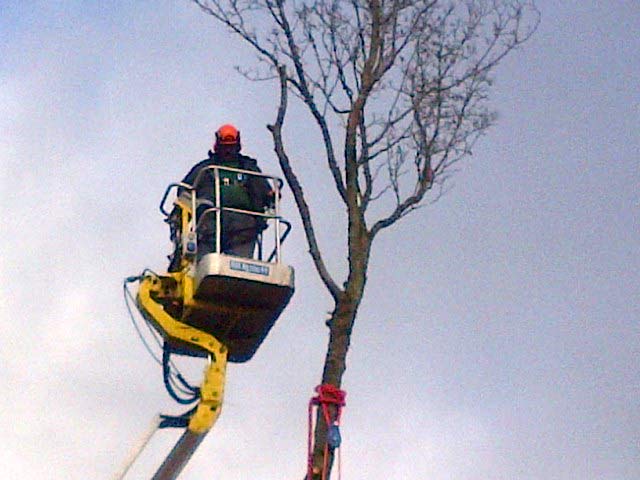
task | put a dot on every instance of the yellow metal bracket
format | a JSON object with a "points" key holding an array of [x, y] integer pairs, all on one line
{"points": [[168, 325], [211, 394], [212, 389]]}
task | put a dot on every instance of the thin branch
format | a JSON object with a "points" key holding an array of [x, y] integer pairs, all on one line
{"points": [[296, 188], [308, 99]]}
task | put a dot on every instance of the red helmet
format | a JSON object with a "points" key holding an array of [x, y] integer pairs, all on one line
{"points": [[227, 135]]}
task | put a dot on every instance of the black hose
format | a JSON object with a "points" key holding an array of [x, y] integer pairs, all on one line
{"points": [[166, 377]]}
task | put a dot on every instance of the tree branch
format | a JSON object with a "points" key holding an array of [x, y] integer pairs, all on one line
{"points": [[296, 188], [308, 99]]}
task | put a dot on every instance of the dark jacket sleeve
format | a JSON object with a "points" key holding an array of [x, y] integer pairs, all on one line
{"points": [[258, 187], [193, 173]]}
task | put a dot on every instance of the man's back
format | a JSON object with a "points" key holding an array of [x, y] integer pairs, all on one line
{"points": [[237, 190]]}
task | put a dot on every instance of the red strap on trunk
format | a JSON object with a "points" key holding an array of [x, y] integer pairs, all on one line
{"points": [[328, 395]]}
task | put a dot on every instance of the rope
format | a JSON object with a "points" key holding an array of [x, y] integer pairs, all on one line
{"points": [[138, 448], [328, 396]]}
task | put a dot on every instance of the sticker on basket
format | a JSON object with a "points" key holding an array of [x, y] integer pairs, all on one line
{"points": [[249, 267]]}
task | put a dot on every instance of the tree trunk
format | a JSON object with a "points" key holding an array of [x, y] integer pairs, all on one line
{"points": [[341, 326]]}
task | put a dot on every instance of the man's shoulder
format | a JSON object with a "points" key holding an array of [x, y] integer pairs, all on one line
{"points": [[210, 160], [248, 163], [191, 175], [203, 163]]}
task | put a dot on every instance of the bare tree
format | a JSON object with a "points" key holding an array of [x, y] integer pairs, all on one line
{"points": [[398, 90]]}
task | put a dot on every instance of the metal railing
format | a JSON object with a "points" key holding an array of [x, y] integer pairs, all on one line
{"points": [[217, 210]]}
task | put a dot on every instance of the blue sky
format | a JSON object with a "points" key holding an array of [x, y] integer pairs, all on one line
{"points": [[499, 337]]}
